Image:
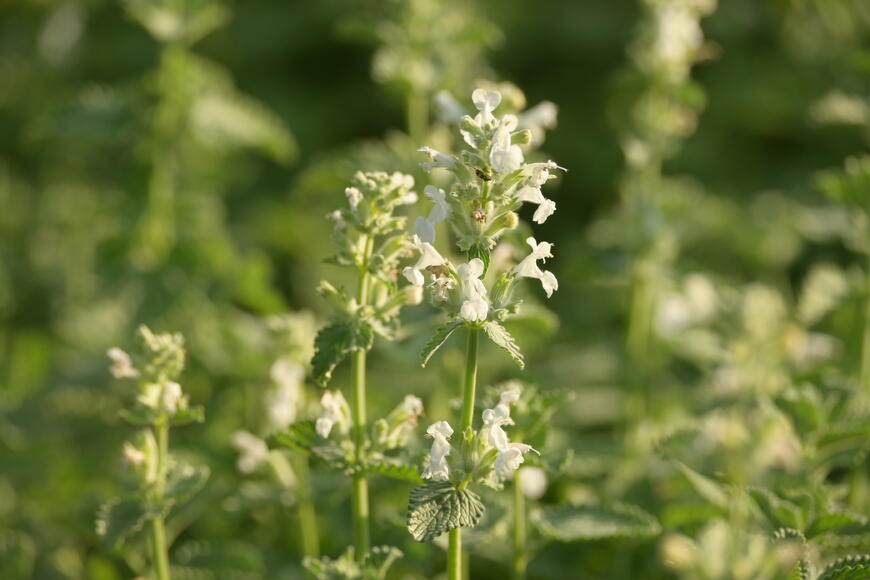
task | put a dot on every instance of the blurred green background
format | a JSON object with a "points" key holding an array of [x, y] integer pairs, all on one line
{"points": [[91, 119]]}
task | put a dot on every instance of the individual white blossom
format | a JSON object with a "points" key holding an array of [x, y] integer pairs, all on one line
{"points": [[437, 159], [505, 157], [429, 256], [354, 196], [122, 364], [475, 307], [528, 267], [449, 109], [424, 228], [336, 413], [493, 421], [412, 405], [485, 102], [440, 286], [538, 120], [545, 210], [165, 396], [509, 460], [253, 451], [284, 401], [437, 469], [538, 174], [533, 482], [413, 294], [510, 396], [132, 456]]}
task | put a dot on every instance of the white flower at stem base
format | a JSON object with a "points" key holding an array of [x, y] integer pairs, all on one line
{"points": [[253, 451], [532, 482], [504, 156], [510, 460], [437, 469], [122, 365], [528, 267], [485, 102], [437, 159], [475, 307], [336, 412], [429, 256]]}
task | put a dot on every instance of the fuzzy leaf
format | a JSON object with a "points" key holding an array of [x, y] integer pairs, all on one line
{"points": [[184, 480], [440, 337], [388, 468], [848, 568], [120, 518], [437, 507], [503, 339], [596, 522], [374, 566], [186, 416], [801, 571], [336, 341], [300, 436], [779, 512], [832, 521], [707, 488]]}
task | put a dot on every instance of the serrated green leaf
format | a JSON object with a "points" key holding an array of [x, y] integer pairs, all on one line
{"points": [[779, 512], [801, 571], [120, 518], [187, 416], [848, 568], [184, 480], [596, 522], [334, 343], [388, 468], [833, 521], [440, 337], [707, 488], [300, 436], [503, 339], [374, 566], [437, 507], [481, 252]]}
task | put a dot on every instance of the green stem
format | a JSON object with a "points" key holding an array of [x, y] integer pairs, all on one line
{"points": [[638, 340], [159, 553], [361, 534], [454, 549], [865, 345], [520, 559]]}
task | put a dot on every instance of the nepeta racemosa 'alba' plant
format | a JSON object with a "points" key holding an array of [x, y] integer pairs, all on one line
{"points": [[370, 239], [163, 480], [492, 180]]}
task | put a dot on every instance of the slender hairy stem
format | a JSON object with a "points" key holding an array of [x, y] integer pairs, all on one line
{"points": [[307, 514], [638, 340], [454, 550], [159, 554], [865, 346], [520, 559], [361, 534]]}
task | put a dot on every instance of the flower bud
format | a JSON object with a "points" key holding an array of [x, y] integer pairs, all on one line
{"points": [[523, 137]]}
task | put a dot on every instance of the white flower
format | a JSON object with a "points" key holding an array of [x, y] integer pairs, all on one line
{"points": [[335, 413], [412, 405], [437, 469], [424, 229], [531, 194], [539, 173], [413, 294], [538, 119], [449, 109], [354, 196], [441, 211], [545, 210], [532, 481], [409, 198], [335, 216], [163, 397], [252, 451], [122, 365], [437, 159], [678, 37], [284, 400], [505, 157], [510, 396], [528, 267], [429, 256], [475, 307], [510, 460], [493, 421], [440, 286], [485, 102], [133, 456]]}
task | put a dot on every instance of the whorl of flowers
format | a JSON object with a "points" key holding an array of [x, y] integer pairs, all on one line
{"points": [[492, 181]]}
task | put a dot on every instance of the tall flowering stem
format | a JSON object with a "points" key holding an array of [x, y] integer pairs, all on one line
{"points": [[520, 555], [159, 552]]}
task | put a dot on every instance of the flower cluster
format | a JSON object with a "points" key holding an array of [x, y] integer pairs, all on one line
{"points": [[491, 183], [488, 456]]}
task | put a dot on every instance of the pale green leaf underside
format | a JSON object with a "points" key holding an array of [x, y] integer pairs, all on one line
{"points": [[118, 519], [596, 522], [503, 339], [435, 508]]}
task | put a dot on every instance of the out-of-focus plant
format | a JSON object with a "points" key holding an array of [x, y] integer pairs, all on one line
{"points": [[163, 481]]}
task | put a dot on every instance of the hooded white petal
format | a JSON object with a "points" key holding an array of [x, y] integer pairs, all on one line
{"points": [[545, 210], [485, 102]]}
